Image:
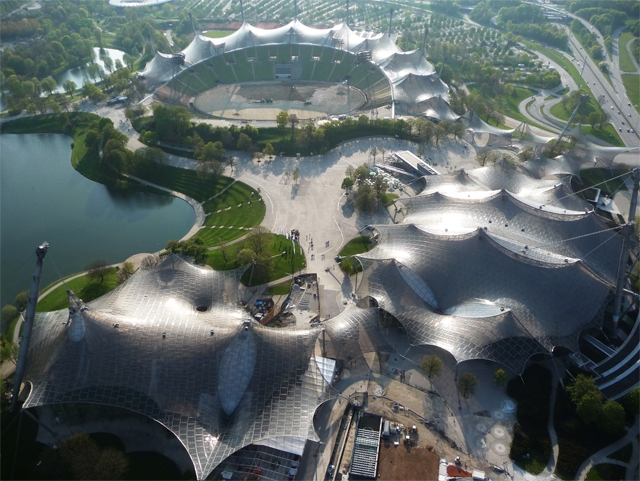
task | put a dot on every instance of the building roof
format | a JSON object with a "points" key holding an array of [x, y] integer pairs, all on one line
{"points": [[494, 264], [187, 355]]}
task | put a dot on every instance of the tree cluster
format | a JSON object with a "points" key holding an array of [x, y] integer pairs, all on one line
{"points": [[193, 248], [590, 405], [174, 125], [531, 392], [588, 39], [529, 21], [81, 457], [369, 190], [65, 39]]}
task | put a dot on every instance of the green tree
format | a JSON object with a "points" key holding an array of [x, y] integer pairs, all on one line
{"points": [[245, 256], [295, 175], [347, 184], [431, 366], [499, 377], [581, 386], [589, 407], [21, 300], [269, 150], [108, 64], [612, 419], [97, 270], [48, 85], [293, 121], [9, 351], [632, 400], [467, 384], [86, 460], [258, 240], [210, 151], [282, 120], [366, 199], [527, 153], [126, 271], [244, 142], [9, 312], [69, 87], [209, 170]]}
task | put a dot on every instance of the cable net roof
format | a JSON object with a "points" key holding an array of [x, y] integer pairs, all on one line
{"points": [[173, 344], [494, 264], [415, 78]]}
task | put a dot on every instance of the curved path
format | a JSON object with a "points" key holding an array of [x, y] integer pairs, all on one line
{"points": [[601, 457]]}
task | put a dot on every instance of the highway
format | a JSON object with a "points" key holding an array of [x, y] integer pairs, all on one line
{"points": [[616, 103]]}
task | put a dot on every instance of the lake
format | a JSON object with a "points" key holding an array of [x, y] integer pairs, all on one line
{"points": [[79, 74], [44, 199]]}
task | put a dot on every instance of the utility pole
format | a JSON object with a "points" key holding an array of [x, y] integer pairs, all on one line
{"points": [[21, 365], [627, 231]]}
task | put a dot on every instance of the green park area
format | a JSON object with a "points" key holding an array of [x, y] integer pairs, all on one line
{"points": [[268, 255], [626, 64], [632, 86], [84, 287], [358, 245], [218, 33], [508, 104]]}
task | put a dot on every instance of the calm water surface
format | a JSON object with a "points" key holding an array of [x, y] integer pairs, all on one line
{"points": [[43, 198]]}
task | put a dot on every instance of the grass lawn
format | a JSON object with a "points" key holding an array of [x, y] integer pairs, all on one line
{"points": [[623, 454], [606, 472], [632, 86], [550, 97], [563, 91], [357, 245], [607, 133], [231, 214], [281, 289], [282, 265], [11, 327], [84, 288], [218, 33], [560, 112], [626, 64], [599, 177], [508, 106], [558, 58], [388, 198]]}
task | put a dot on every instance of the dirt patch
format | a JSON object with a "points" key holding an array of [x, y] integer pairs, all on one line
{"points": [[406, 463], [305, 99]]}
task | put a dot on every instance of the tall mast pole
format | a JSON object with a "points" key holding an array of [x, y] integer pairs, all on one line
{"points": [[627, 231], [30, 314], [390, 19], [346, 20]]}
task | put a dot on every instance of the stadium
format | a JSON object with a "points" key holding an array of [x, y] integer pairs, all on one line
{"points": [[501, 264], [254, 73]]}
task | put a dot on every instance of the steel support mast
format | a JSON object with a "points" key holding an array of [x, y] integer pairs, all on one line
{"points": [[627, 232], [21, 365]]}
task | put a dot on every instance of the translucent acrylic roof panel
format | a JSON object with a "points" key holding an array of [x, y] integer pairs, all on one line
{"points": [[199, 49], [477, 125], [214, 378], [414, 89], [160, 69], [572, 234], [438, 108], [401, 64], [552, 299], [487, 335]]}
